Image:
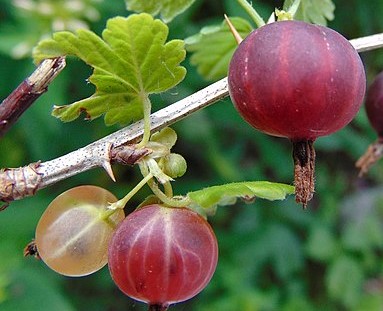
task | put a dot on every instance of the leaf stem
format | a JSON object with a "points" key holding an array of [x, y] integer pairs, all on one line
{"points": [[294, 8], [147, 108], [258, 20]]}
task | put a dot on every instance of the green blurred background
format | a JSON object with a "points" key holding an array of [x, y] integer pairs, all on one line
{"points": [[273, 255]]}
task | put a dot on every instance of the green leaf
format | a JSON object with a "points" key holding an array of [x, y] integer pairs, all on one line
{"points": [[130, 61], [313, 11], [227, 194], [168, 9], [214, 46]]}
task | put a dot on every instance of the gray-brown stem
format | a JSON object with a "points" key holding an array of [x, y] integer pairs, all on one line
{"points": [[98, 153], [28, 91]]}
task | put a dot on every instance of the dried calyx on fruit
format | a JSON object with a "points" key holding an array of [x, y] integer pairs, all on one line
{"points": [[300, 81], [374, 110]]}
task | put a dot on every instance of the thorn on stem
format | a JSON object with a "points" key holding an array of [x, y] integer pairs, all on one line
{"points": [[106, 159], [234, 31], [4, 206], [108, 168]]}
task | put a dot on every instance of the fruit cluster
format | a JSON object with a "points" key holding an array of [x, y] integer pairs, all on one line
{"points": [[159, 255], [288, 79]]}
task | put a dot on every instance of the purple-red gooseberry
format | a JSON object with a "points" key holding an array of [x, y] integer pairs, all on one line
{"points": [[300, 81], [374, 110], [162, 255]]}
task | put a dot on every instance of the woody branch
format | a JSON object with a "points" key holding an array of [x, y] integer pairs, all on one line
{"points": [[17, 183]]}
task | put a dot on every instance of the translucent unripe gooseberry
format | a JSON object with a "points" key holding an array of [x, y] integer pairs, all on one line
{"points": [[297, 80], [161, 255], [73, 233]]}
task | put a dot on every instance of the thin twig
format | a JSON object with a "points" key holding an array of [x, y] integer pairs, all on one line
{"points": [[17, 183], [368, 43], [28, 91], [21, 182], [97, 153]]}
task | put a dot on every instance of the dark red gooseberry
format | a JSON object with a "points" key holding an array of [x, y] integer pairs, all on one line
{"points": [[297, 80], [374, 104], [374, 110], [161, 255]]}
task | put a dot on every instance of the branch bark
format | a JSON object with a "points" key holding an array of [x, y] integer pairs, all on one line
{"points": [[17, 183], [28, 91]]}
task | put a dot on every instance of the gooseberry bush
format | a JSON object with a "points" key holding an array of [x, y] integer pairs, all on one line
{"points": [[288, 76]]}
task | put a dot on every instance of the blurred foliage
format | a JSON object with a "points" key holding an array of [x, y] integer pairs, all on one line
{"points": [[273, 255], [28, 21], [167, 9]]}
